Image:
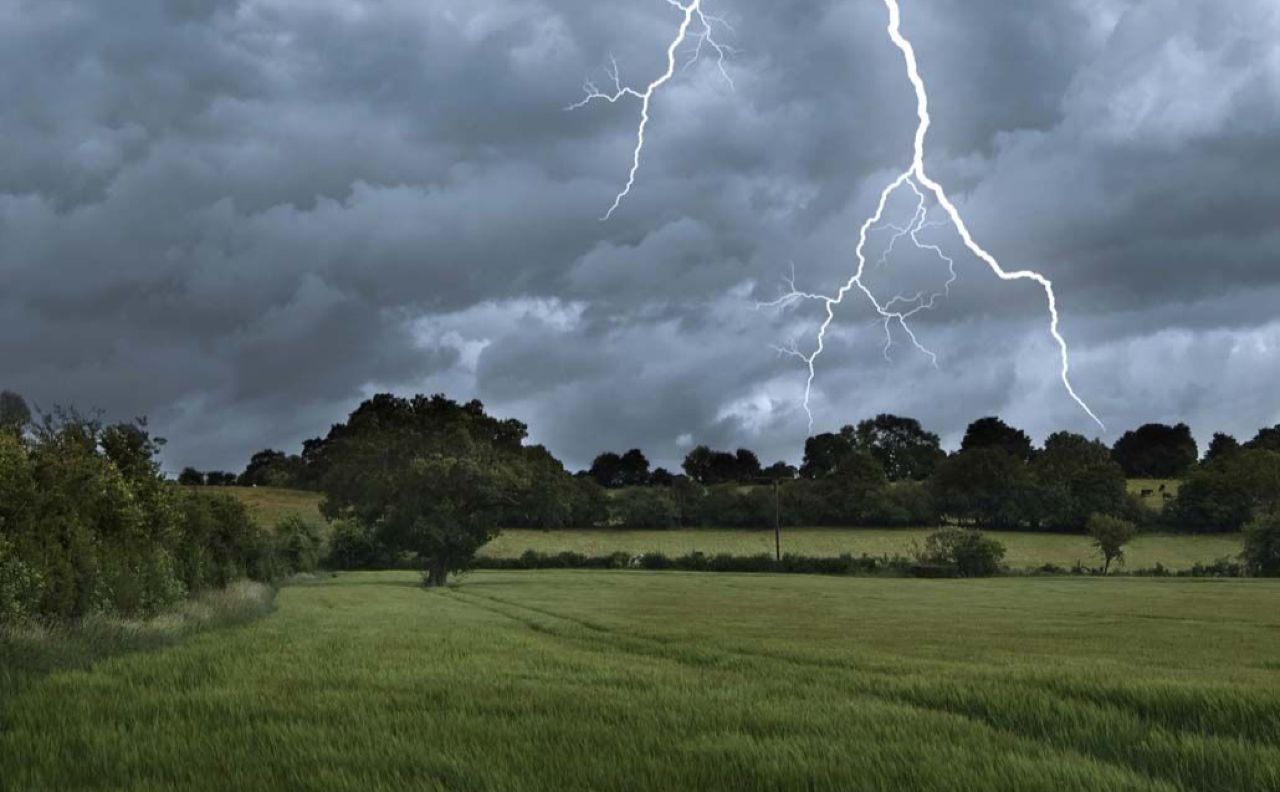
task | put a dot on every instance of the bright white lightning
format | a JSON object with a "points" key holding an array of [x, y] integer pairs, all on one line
{"points": [[917, 179], [899, 309], [703, 35]]}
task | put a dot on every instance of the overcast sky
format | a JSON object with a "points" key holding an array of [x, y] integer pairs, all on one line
{"points": [[240, 218]]}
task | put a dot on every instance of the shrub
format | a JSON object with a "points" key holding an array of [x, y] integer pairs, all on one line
{"points": [[968, 552], [354, 546], [299, 544], [20, 585], [1262, 546]]}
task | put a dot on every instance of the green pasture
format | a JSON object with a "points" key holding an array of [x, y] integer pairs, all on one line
{"points": [[570, 680], [1024, 549]]}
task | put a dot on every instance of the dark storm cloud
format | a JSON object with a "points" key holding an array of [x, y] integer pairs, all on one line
{"points": [[242, 217]]}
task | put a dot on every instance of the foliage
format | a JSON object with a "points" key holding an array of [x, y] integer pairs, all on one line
{"points": [[1156, 451], [611, 470], [991, 432], [1262, 546], [706, 466], [1220, 447], [1074, 478], [985, 485], [15, 415], [88, 525], [1110, 535], [1226, 493], [299, 544], [903, 448], [645, 507], [433, 477], [967, 552]]}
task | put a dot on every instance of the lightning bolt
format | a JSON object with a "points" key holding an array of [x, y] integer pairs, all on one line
{"points": [[900, 309], [703, 34]]}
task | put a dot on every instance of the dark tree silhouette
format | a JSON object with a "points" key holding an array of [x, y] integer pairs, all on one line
{"points": [[1156, 451], [905, 450], [14, 412], [1221, 447], [991, 432]]}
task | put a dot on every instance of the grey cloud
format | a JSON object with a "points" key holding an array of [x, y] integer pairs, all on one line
{"points": [[240, 217]]}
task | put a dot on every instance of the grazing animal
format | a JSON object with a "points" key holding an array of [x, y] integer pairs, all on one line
{"points": [[1167, 496], [1162, 488], [1145, 493]]}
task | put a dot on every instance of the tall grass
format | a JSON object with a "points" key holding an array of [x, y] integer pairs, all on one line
{"points": [[555, 680]]}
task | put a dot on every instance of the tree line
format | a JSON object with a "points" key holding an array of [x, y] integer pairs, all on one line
{"points": [[89, 524], [430, 478]]}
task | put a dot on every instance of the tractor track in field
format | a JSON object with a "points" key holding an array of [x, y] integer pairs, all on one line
{"points": [[674, 650]]}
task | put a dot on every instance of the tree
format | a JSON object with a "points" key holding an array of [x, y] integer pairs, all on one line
{"points": [[1262, 546], [633, 468], [717, 467], [1220, 447], [267, 468], [904, 448], [1110, 535], [606, 470], [824, 452], [747, 465], [432, 477], [14, 412], [987, 485], [780, 470], [991, 432], [1076, 477], [1226, 493], [1267, 439], [661, 477], [190, 477], [220, 478], [1156, 451]]}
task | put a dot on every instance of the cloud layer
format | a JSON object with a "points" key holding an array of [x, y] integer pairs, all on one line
{"points": [[239, 218]]}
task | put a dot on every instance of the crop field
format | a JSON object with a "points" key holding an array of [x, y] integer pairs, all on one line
{"points": [[1024, 549], [557, 680]]}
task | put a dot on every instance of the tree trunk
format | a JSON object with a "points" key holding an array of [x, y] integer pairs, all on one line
{"points": [[437, 573]]}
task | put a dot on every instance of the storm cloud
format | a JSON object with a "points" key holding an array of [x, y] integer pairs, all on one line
{"points": [[239, 217]]}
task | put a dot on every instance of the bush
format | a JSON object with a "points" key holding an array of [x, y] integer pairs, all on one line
{"points": [[1262, 546], [968, 552], [299, 544], [20, 585], [88, 525], [354, 546]]}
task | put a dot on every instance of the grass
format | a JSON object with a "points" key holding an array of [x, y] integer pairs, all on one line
{"points": [[28, 652], [631, 680], [1024, 549], [1156, 489], [270, 505]]}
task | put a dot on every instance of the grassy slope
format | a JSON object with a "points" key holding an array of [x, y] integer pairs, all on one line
{"points": [[269, 505], [1024, 549], [630, 680]]}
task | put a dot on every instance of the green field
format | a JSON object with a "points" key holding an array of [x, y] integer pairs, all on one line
{"points": [[270, 505], [1156, 490], [669, 681], [1177, 551]]}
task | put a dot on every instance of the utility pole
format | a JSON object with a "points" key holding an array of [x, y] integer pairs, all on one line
{"points": [[777, 522]]}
